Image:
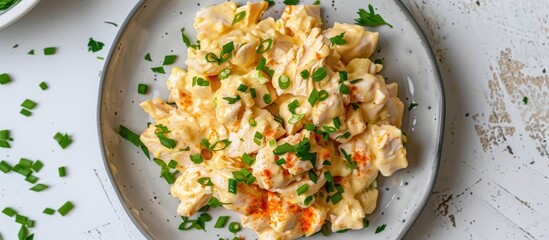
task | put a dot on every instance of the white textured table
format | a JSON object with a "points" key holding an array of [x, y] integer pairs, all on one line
{"points": [[493, 176]]}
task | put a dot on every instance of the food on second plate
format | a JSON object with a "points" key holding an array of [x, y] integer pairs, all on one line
{"points": [[279, 120]]}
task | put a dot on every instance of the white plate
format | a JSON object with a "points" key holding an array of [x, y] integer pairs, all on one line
{"points": [[154, 27], [15, 12]]}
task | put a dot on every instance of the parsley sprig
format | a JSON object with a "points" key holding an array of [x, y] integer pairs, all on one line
{"points": [[370, 18]]}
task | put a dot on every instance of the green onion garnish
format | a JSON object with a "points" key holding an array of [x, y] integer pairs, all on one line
{"points": [[319, 74], [50, 51], [48, 211], [295, 118], [304, 74], [293, 105], [31, 52], [252, 122], [4, 78], [380, 228], [30, 224], [328, 177], [247, 159], [25, 112], [221, 222], [224, 144], [62, 171], [25, 171], [252, 91], [308, 200], [378, 61], [225, 73], [239, 16], [344, 89], [200, 82], [94, 46], [232, 100], [356, 81], [261, 64], [21, 219], [226, 53], [172, 164], [187, 41], [336, 198], [242, 88], [10, 212], [43, 86], [291, 2], [37, 166], [26, 163], [142, 88], [343, 76], [284, 82], [267, 99], [158, 70], [205, 181], [197, 159], [309, 127], [301, 190], [337, 123], [39, 187], [280, 162], [28, 104], [323, 95], [5, 135], [284, 148], [346, 135], [66, 208], [312, 176], [232, 185], [169, 59], [64, 140], [262, 48], [165, 141], [133, 138], [211, 58], [32, 179], [5, 166], [313, 97], [4, 144], [234, 227]]}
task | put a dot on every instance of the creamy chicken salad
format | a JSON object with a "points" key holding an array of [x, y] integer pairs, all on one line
{"points": [[279, 120]]}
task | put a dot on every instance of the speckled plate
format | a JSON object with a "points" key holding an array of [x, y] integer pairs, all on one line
{"points": [[154, 27]]}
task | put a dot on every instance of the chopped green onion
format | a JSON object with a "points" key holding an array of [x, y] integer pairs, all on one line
{"points": [[279, 119], [30, 223], [304, 74], [32, 179], [172, 164], [302, 189], [343, 76], [21, 219], [262, 48], [197, 159], [133, 138], [43, 86], [328, 177], [5, 166], [267, 99], [261, 64], [252, 122], [280, 162], [24, 233], [66, 208], [312, 176], [291, 2], [226, 53], [64, 140], [4, 144], [370, 18], [232, 186], [4, 78], [39, 187], [211, 57], [316, 2], [25, 112], [158, 70], [295, 118], [48, 211], [252, 91], [50, 51], [4, 134], [319, 74], [338, 40], [239, 16], [356, 81], [221, 222], [412, 106], [200, 82], [345, 155], [380, 228], [337, 197], [232, 100], [148, 57], [293, 105], [270, 2], [31, 52], [234, 227], [323, 95], [205, 181], [284, 82], [187, 41], [28, 163], [337, 123], [22, 170], [214, 202], [284, 148], [308, 200], [10, 212], [225, 143], [346, 135], [344, 89], [355, 106], [94, 46], [28, 104], [247, 159], [165, 141], [309, 127], [225, 73], [313, 97], [62, 171], [142, 88], [365, 223], [242, 88], [169, 59], [37, 166]]}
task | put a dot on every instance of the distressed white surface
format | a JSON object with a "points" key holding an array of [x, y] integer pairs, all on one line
{"points": [[494, 169]]}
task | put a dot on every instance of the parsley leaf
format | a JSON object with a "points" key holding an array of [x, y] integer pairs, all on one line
{"points": [[94, 46], [370, 18], [338, 40]]}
